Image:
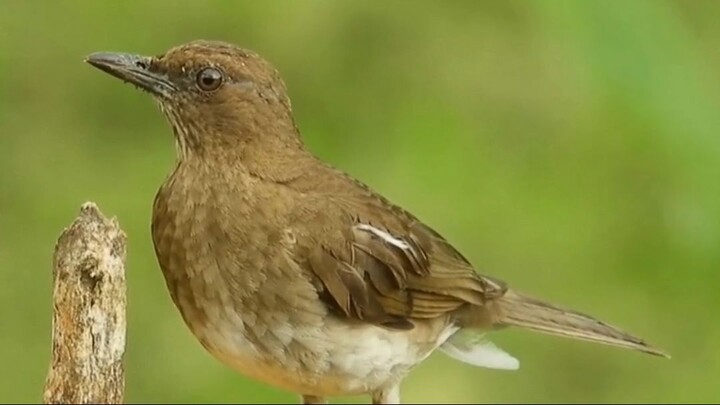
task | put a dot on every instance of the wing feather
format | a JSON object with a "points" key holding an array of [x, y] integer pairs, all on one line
{"points": [[387, 267]]}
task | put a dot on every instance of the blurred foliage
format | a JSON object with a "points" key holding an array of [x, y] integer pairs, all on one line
{"points": [[569, 147]]}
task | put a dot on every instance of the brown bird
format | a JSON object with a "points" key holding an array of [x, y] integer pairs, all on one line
{"points": [[294, 273]]}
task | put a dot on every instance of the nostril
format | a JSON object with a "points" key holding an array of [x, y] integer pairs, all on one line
{"points": [[141, 64]]}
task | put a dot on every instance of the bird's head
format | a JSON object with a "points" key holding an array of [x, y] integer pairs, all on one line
{"points": [[216, 96]]}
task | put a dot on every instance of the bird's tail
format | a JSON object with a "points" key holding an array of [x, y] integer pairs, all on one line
{"points": [[526, 312]]}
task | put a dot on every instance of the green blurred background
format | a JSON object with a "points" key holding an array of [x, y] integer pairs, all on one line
{"points": [[571, 148]]}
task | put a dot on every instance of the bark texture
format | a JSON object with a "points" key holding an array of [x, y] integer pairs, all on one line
{"points": [[89, 307]]}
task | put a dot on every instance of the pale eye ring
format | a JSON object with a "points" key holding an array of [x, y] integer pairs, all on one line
{"points": [[209, 79]]}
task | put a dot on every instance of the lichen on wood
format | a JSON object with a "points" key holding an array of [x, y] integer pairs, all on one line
{"points": [[89, 312]]}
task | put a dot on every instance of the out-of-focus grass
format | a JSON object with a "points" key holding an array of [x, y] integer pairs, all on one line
{"points": [[570, 148]]}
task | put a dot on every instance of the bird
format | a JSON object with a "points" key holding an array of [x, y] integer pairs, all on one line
{"points": [[292, 272]]}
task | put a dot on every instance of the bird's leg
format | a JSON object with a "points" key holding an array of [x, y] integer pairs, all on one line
{"points": [[387, 395], [312, 399]]}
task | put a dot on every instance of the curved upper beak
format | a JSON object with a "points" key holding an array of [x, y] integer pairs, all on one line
{"points": [[135, 69]]}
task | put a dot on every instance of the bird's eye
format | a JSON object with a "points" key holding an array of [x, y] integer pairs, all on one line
{"points": [[209, 79]]}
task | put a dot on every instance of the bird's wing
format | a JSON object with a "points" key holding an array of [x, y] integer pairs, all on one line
{"points": [[384, 266]]}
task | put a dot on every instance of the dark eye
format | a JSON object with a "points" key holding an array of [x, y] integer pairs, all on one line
{"points": [[209, 79]]}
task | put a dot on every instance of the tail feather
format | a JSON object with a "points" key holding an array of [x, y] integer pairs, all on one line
{"points": [[522, 311]]}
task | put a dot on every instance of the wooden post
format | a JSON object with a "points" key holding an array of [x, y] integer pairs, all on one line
{"points": [[89, 301]]}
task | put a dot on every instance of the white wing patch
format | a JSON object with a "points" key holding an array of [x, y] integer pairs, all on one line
{"points": [[384, 236], [471, 348]]}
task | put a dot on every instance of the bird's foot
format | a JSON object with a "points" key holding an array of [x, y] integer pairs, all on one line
{"points": [[388, 395], [312, 399]]}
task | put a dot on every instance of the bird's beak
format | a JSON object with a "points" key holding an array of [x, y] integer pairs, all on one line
{"points": [[135, 69]]}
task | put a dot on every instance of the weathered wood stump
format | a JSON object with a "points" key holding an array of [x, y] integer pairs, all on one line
{"points": [[89, 304]]}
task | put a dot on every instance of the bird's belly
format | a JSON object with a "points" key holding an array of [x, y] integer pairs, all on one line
{"points": [[335, 359]]}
